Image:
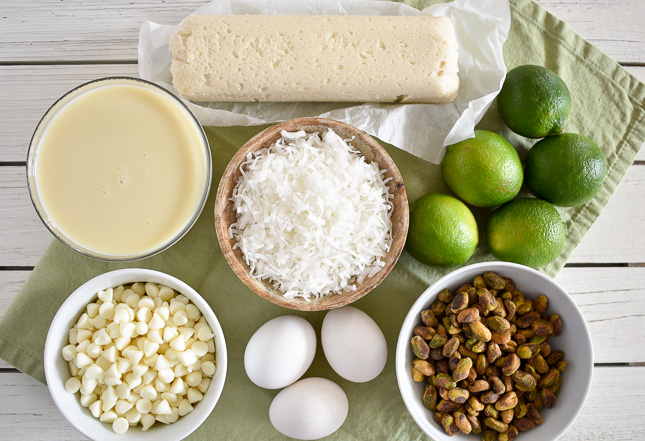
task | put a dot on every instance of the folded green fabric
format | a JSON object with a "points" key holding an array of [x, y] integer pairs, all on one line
{"points": [[608, 106]]}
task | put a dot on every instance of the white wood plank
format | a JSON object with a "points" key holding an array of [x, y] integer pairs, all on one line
{"points": [[614, 408], [616, 237], [23, 237], [48, 30], [613, 411], [97, 30], [611, 300], [33, 89], [28, 412], [616, 27]]}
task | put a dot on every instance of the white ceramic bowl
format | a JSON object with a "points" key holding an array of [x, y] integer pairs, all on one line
{"points": [[575, 341], [57, 370]]}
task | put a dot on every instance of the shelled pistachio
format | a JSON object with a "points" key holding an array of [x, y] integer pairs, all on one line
{"points": [[484, 350]]}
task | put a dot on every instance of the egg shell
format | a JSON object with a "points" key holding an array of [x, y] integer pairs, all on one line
{"points": [[309, 409], [280, 352], [353, 344]]}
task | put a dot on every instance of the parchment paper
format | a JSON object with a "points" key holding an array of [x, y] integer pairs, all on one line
{"points": [[422, 129]]}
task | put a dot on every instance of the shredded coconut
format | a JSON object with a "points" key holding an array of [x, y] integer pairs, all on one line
{"points": [[312, 216]]}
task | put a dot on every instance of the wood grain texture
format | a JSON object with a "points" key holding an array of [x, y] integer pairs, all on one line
{"points": [[95, 30], [611, 300], [617, 235], [621, 34], [53, 31], [75, 30], [33, 89], [614, 409], [23, 237], [614, 238], [612, 412], [28, 411], [30, 90]]}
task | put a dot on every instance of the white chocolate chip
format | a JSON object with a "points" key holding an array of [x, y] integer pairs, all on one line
{"points": [[69, 352], [108, 417], [156, 322], [150, 348], [208, 368], [110, 354], [120, 425], [169, 334], [72, 385], [147, 421], [166, 293], [178, 387], [200, 348], [180, 318], [148, 392], [122, 406], [203, 386], [194, 378], [82, 360], [152, 290], [87, 400], [194, 395], [101, 337], [185, 407], [178, 344], [95, 409], [144, 405], [133, 416], [140, 354], [164, 312], [163, 408], [93, 309], [166, 375], [98, 322], [106, 296], [141, 328]]}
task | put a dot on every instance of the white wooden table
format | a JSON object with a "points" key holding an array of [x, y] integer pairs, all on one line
{"points": [[49, 46]]}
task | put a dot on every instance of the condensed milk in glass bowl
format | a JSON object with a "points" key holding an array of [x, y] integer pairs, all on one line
{"points": [[119, 169]]}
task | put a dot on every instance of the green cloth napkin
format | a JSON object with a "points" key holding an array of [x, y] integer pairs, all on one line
{"points": [[608, 106]]}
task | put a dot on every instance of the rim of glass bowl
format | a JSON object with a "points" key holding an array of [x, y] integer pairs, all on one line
{"points": [[32, 154]]}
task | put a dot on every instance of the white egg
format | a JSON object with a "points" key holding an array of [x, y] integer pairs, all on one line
{"points": [[280, 352], [309, 409], [353, 344]]}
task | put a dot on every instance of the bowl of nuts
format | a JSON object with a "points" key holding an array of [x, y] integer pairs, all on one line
{"points": [[135, 354], [494, 350]]}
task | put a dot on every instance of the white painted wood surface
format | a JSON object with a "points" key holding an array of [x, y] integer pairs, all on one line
{"points": [[49, 46]]}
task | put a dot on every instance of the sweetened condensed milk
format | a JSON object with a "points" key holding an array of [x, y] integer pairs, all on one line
{"points": [[120, 169]]}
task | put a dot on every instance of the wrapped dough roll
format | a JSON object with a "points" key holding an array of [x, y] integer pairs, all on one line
{"points": [[280, 58]]}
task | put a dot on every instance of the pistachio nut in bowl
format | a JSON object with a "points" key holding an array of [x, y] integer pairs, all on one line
{"points": [[135, 354], [311, 214], [494, 349]]}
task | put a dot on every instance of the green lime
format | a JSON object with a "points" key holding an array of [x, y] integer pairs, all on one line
{"points": [[565, 169], [534, 102], [527, 231], [484, 171], [442, 231]]}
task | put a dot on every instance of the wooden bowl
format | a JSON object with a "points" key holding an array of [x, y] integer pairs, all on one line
{"points": [[225, 215]]}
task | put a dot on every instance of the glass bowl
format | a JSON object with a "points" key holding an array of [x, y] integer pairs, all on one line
{"points": [[164, 106]]}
